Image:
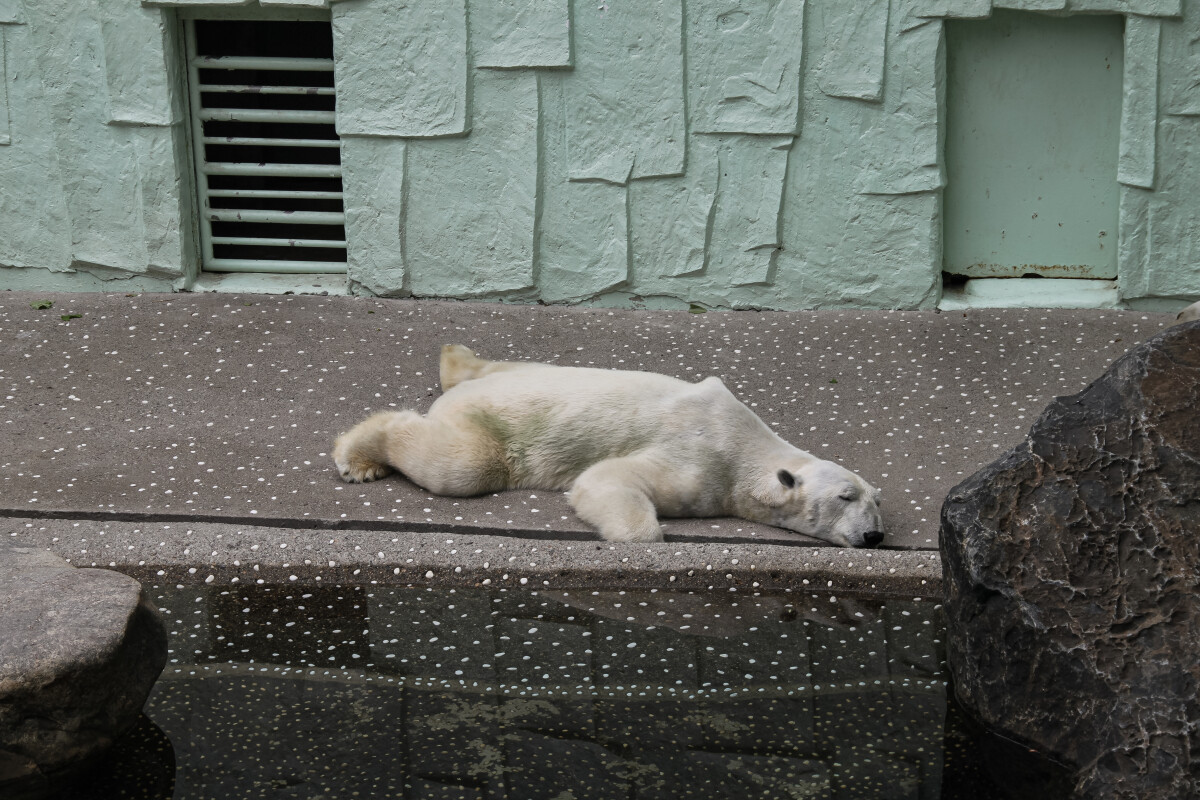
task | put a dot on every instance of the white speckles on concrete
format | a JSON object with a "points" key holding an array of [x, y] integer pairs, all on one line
{"points": [[224, 407], [236, 553]]}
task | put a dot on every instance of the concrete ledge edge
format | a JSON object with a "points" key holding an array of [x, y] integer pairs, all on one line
{"points": [[218, 554]]}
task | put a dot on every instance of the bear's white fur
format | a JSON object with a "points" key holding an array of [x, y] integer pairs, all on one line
{"points": [[630, 446], [1190, 313]]}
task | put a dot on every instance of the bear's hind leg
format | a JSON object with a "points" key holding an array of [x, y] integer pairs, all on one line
{"points": [[439, 455], [614, 497], [458, 364], [361, 453], [445, 456]]}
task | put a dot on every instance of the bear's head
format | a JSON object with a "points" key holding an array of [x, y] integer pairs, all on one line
{"points": [[820, 499]]}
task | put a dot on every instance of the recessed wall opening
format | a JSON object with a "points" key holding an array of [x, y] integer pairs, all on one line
{"points": [[268, 159], [1032, 139]]}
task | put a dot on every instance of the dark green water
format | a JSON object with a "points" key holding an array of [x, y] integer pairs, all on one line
{"points": [[386, 692]]}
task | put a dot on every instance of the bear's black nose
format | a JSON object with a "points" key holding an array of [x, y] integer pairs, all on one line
{"points": [[872, 538]]}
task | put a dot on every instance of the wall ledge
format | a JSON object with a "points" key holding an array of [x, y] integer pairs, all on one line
{"points": [[270, 283], [1030, 293]]}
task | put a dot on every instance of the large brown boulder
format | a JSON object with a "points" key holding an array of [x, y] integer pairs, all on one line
{"points": [[1072, 572], [80, 650]]}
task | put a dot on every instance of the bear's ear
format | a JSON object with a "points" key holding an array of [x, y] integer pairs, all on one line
{"points": [[772, 490]]}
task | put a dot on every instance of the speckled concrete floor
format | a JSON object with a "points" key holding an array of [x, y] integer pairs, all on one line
{"points": [[222, 408]]}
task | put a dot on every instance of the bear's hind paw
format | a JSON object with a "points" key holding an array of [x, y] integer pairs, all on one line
{"points": [[363, 472]]}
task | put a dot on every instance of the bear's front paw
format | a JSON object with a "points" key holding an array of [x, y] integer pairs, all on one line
{"points": [[649, 531], [362, 472]]}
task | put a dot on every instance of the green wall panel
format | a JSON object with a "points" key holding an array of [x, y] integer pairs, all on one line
{"points": [[1034, 105], [625, 97], [469, 209], [744, 65]]}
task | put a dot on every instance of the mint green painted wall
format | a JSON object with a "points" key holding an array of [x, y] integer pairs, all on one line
{"points": [[734, 153], [1160, 243], [90, 175]]}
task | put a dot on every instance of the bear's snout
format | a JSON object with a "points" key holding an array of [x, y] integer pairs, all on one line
{"points": [[872, 539]]}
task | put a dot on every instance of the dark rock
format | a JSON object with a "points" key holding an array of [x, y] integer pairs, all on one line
{"points": [[1071, 570], [79, 651]]}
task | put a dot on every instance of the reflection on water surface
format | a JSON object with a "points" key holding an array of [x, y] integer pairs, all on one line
{"points": [[388, 692]]}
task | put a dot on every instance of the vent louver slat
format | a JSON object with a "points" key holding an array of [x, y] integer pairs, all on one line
{"points": [[267, 154]]}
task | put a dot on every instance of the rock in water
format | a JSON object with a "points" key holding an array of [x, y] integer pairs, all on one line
{"points": [[80, 650], [1071, 574]]}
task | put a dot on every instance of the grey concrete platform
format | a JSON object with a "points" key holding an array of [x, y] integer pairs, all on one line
{"points": [[169, 412]]}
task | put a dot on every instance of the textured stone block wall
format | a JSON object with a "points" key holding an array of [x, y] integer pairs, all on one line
{"points": [[625, 151], [767, 153], [1160, 226], [92, 166]]}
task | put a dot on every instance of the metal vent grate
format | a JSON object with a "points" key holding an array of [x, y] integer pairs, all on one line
{"points": [[267, 155]]}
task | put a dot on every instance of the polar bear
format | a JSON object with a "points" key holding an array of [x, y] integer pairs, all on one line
{"points": [[1190, 313], [630, 447]]}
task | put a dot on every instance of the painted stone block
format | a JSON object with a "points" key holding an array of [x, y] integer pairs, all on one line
{"points": [[901, 149], [1139, 110], [135, 68], [105, 207], [469, 207], [401, 68], [672, 219], [1171, 252], [584, 246], [713, 235], [744, 65], [521, 33], [121, 184], [158, 191], [625, 107], [1132, 246], [914, 13], [745, 230], [585, 243], [5, 116], [96, 159], [34, 226], [853, 42], [1146, 8], [1172, 225], [373, 177], [193, 3], [294, 3], [1179, 91], [11, 12], [843, 247], [1031, 5], [876, 252]]}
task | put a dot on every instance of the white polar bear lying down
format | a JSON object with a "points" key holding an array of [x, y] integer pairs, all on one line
{"points": [[1190, 313], [630, 446]]}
